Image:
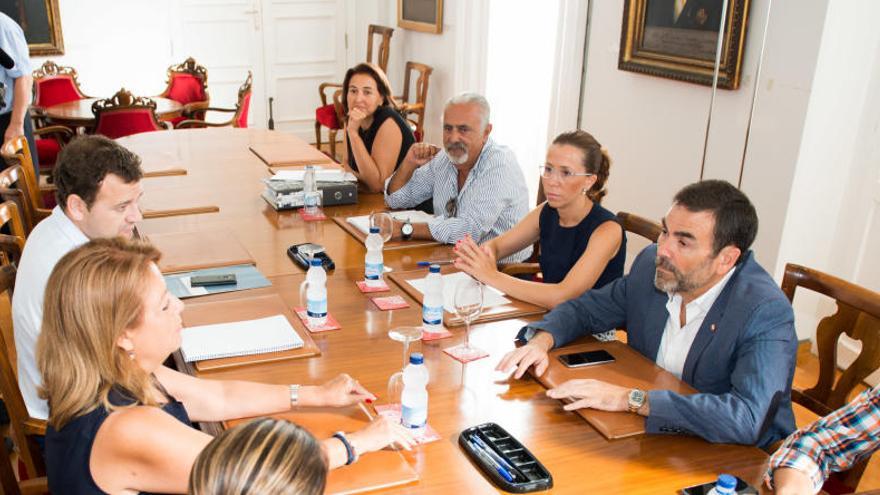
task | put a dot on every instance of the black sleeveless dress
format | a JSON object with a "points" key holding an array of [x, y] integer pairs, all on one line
{"points": [[68, 451], [369, 135]]}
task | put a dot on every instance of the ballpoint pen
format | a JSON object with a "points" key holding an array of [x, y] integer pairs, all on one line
{"points": [[482, 454], [435, 262], [494, 455]]}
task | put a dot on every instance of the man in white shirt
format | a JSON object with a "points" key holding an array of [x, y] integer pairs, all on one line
{"points": [[476, 185], [98, 188], [698, 305]]}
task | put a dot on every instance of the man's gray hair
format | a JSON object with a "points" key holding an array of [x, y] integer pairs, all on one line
{"points": [[472, 98]]}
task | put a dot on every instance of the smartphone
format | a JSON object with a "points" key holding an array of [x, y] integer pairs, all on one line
{"points": [[586, 358], [208, 280], [742, 488], [302, 253]]}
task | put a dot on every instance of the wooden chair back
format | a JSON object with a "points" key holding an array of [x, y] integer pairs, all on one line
{"points": [[187, 83], [857, 316], [384, 49], [648, 229], [125, 114], [22, 185], [24, 428], [11, 245], [420, 94], [54, 84]]}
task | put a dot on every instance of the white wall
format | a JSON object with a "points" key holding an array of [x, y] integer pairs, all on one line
{"points": [[654, 127]]}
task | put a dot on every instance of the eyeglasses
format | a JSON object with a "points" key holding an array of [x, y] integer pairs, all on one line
{"points": [[548, 171], [451, 207]]}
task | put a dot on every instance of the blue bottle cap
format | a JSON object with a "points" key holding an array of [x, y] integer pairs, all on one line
{"points": [[374, 230], [416, 358], [315, 262], [726, 481], [434, 268]]}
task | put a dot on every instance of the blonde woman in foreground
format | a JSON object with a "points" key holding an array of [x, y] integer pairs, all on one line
{"points": [[120, 421], [262, 457]]}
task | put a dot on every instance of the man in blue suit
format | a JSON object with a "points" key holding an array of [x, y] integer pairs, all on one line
{"points": [[700, 306]]}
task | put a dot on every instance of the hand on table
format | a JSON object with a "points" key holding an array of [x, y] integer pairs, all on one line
{"points": [[788, 481], [592, 394], [477, 261], [343, 391], [381, 433], [532, 354]]}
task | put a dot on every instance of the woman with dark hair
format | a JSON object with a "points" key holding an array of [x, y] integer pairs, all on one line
{"points": [[582, 244], [377, 137]]}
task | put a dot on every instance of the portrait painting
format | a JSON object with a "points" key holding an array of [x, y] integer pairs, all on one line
{"points": [[41, 23]]}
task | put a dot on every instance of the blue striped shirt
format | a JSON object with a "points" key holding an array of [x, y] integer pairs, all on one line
{"points": [[13, 43], [494, 197]]}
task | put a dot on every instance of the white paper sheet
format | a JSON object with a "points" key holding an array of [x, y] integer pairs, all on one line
{"points": [[239, 338], [491, 296], [363, 222]]}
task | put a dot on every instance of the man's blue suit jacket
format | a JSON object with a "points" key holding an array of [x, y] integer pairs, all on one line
{"points": [[741, 362]]}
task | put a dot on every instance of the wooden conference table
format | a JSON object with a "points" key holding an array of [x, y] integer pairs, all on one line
{"points": [[221, 171]]}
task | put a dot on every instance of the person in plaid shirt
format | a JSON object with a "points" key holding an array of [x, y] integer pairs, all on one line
{"points": [[831, 444]]}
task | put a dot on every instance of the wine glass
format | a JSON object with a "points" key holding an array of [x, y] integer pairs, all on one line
{"points": [[385, 222], [405, 335], [468, 306]]}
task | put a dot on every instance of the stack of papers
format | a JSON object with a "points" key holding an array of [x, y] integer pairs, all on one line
{"points": [[329, 175], [414, 216], [491, 296]]}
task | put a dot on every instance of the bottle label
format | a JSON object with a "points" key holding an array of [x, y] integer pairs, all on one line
{"points": [[373, 271], [432, 315], [413, 417], [317, 308]]}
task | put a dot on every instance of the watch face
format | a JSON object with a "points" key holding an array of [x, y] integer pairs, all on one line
{"points": [[637, 397], [406, 229]]}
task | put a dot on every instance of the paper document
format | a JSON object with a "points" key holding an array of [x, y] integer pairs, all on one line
{"points": [[491, 296], [329, 175], [363, 222], [240, 338]]}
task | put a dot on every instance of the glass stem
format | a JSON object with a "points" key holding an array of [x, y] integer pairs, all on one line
{"points": [[467, 333], [405, 353]]}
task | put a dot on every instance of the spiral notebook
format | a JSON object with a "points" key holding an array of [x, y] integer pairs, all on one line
{"points": [[240, 338]]}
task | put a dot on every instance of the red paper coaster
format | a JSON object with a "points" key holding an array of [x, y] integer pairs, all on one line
{"points": [[312, 217], [390, 302], [330, 324], [365, 287], [392, 412], [461, 354], [441, 334]]}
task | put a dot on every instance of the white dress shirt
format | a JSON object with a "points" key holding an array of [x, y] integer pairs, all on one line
{"points": [[677, 339], [50, 240], [492, 200]]}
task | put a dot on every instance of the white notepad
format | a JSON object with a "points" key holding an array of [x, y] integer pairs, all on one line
{"points": [[414, 216], [240, 338]]}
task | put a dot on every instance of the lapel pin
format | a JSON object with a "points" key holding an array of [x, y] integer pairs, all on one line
{"points": [[712, 328]]}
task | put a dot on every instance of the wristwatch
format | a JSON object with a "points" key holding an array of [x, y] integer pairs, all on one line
{"points": [[406, 230], [636, 399], [294, 395]]}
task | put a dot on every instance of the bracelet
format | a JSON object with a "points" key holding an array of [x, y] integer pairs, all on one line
{"points": [[349, 449], [294, 395]]}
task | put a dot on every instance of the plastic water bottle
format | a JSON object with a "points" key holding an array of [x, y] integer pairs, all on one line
{"points": [[373, 264], [310, 191], [726, 485], [414, 399], [432, 304], [316, 293]]}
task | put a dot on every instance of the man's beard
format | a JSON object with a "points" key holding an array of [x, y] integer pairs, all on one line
{"points": [[460, 159], [679, 282]]}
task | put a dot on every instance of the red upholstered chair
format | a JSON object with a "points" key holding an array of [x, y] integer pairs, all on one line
{"points": [[188, 85], [125, 114], [329, 114], [53, 84], [240, 112]]}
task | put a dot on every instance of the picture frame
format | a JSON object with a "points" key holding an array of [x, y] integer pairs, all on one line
{"points": [[420, 15], [658, 39], [41, 22]]}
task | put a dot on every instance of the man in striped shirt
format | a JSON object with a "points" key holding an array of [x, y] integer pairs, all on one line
{"points": [[834, 443], [477, 186]]}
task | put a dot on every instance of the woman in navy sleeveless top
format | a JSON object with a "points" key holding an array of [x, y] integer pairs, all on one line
{"points": [[118, 419], [582, 244], [377, 137]]}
